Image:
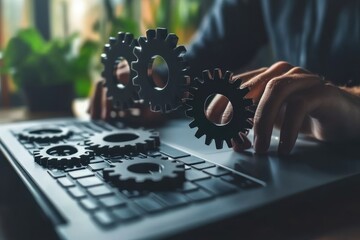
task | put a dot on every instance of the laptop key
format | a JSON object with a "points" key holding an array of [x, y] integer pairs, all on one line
{"points": [[125, 213], [172, 152], [99, 191], [76, 192], [149, 204], [188, 186], [198, 195], [112, 201], [81, 173], [217, 172], [89, 204], [217, 186], [172, 199], [56, 173], [98, 166], [89, 181], [65, 182], [194, 175], [103, 218], [192, 160], [203, 165]]}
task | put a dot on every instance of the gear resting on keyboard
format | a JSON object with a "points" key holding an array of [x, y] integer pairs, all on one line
{"points": [[63, 155], [124, 141], [45, 134], [151, 173]]}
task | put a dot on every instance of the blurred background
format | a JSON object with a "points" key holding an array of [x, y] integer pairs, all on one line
{"points": [[50, 49]]}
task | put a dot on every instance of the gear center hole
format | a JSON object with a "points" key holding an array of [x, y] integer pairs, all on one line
{"points": [[45, 131], [121, 72], [120, 137], [145, 168], [65, 150], [218, 109], [158, 82]]}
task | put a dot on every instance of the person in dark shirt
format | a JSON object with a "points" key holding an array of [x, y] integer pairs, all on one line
{"points": [[313, 86]]}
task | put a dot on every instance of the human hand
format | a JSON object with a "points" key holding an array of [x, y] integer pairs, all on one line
{"points": [[294, 100], [101, 107]]}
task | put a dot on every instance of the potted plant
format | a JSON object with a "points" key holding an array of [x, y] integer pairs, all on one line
{"points": [[50, 73]]}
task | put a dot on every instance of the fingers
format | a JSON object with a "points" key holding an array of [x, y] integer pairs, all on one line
{"points": [[105, 105], [216, 108], [249, 75], [275, 94], [258, 83]]}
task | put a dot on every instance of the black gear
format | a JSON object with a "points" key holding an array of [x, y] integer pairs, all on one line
{"points": [[122, 47], [62, 155], [152, 173], [240, 121], [45, 134], [124, 141], [159, 43]]}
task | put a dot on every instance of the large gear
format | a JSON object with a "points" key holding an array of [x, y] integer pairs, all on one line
{"points": [[159, 43], [122, 95], [62, 155], [124, 141], [45, 133], [240, 122], [151, 173]]}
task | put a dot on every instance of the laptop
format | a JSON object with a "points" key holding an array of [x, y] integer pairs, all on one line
{"points": [[217, 185]]}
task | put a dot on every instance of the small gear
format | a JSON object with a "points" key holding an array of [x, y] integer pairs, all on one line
{"points": [[122, 95], [159, 43], [45, 134], [124, 141], [151, 173], [62, 155], [240, 122]]}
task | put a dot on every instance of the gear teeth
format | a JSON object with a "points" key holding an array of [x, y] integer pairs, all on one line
{"points": [[208, 140], [128, 38], [161, 33], [238, 139], [137, 51], [134, 43], [228, 143], [248, 124], [142, 41], [180, 50], [217, 74], [112, 41], [120, 36], [247, 102], [172, 40], [103, 58], [151, 34], [199, 133], [237, 84], [193, 124], [135, 66], [107, 48], [244, 91], [228, 76], [219, 143], [206, 75], [192, 91]]}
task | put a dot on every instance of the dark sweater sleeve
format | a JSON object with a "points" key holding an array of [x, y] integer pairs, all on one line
{"points": [[228, 37]]}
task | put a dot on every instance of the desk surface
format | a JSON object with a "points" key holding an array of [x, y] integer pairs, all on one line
{"points": [[333, 216]]}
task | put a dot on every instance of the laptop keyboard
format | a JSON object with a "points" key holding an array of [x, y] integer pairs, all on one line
{"points": [[110, 206]]}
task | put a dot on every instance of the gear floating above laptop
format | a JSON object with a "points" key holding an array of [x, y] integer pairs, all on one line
{"points": [[62, 155], [159, 43], [45, 134], [151, 173], [240, 123], [123, 94], [123, 141]]}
